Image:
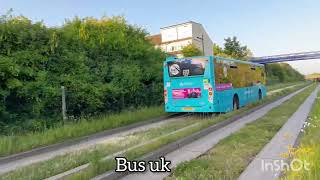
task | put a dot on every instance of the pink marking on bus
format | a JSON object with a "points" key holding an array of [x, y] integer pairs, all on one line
{"points": [[183, 93], [225, 86]]}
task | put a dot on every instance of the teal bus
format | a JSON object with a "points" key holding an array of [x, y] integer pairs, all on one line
{"points": [[211, 84]]}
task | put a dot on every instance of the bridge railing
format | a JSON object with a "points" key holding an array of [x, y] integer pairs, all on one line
{"points": [[287, 57]]}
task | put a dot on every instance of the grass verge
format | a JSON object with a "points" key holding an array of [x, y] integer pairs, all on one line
{"points": [[66, 162], [15, 144], [282, 85], [309, 148], [98, 167], [233, 154]]}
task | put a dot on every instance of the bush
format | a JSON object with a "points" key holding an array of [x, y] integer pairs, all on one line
{"points": [[282, 72], [105, 65], [191, 50]]}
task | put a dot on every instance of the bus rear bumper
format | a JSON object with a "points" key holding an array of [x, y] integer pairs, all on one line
{"points": [[209, 108]]}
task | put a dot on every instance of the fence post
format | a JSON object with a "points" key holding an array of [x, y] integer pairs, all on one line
{"points": [[64, 108], [153, 100]]}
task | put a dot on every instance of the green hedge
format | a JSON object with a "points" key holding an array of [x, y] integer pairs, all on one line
{"points": [[105, 64], [282, 72]]}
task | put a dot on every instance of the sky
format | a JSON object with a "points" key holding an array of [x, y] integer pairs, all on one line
{"points": [[267, 27]]}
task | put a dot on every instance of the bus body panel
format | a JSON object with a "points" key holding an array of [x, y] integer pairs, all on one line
{"points": [[246, 96], [220, 100]]}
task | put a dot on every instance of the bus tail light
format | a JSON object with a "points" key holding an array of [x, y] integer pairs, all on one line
{"points": [[165, 94], [210, 95]]}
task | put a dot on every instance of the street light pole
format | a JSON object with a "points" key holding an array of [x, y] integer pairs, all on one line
{"points": [[202, 42]]}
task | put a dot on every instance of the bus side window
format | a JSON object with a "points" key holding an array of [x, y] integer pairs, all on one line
{"points": [[218, 72], [233, 66]]}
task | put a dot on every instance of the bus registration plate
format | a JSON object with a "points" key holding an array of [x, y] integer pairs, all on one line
{"points": [[187, 108]]}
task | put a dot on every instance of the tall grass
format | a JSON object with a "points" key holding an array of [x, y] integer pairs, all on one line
{"points": [[309, 149], [232, 155], [18, 143], [66, 162], [282, 85]]}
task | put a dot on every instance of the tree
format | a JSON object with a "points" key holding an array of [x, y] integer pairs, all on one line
{"points": [[218, 51], [191, 50], [232, 49], [282, 72]]}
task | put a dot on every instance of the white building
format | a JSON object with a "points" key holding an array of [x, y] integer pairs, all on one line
{"points": [[173, 38]]}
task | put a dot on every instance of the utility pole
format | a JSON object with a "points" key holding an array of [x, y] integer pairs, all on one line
{"points": [[202, 43], [63, 99]]}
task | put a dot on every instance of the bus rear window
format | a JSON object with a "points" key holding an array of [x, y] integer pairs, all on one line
{"points": [[187, 67]]}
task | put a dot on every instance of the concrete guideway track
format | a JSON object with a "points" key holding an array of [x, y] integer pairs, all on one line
{"points": [[281, 89], [285, 137], [202, 145], [41, 154], [112, 156]]}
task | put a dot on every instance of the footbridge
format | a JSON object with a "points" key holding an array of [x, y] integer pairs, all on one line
{"points": [[287, 57]]}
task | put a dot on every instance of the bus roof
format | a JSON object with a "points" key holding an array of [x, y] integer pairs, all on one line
{"points": [[221, 58], [240, 61]]}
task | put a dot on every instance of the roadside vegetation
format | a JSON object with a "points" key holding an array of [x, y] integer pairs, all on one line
{"points": [[85, 126], [18, 143], [232, 48], [191, 50], [282, 73], [309, 148], [68, 161], [233, 154], [106, 65], [138, 144]]}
